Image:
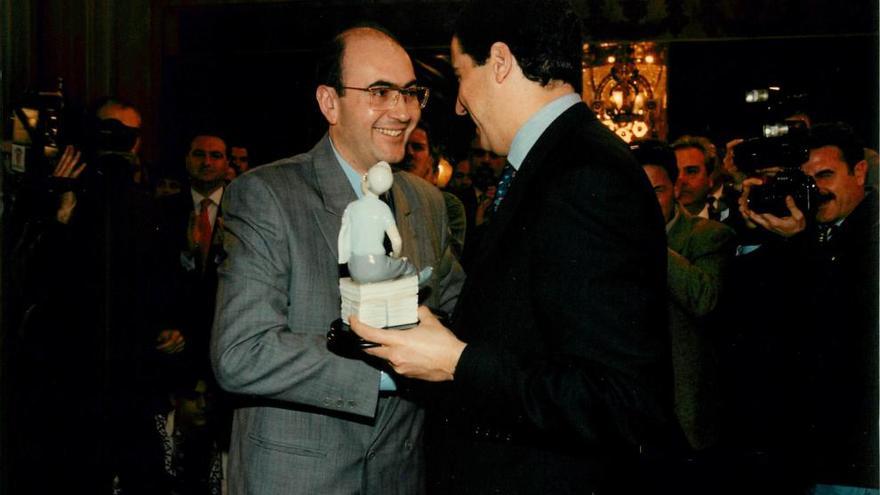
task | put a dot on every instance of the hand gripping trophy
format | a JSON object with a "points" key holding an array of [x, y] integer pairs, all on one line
{"points": [[383, 288]]}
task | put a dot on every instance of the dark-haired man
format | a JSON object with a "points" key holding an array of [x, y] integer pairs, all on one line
{"points": [[189, 225], [829, 265], [318, 422], [700, 251], [557, 369]]}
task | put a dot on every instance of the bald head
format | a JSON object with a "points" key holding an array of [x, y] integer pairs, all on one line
{"points": [[126, 114]]}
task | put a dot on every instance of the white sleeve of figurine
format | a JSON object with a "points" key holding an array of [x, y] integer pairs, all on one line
{"points": [[344, 245]]}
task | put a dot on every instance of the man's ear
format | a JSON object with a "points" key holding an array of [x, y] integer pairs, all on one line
{"points": [[501, 61], [861, 172], [328, 102]]}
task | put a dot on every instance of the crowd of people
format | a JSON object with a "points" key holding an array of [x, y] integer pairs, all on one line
{"points": [[600, 317]]}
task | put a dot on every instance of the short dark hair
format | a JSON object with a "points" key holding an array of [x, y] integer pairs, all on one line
{"points": [[710, 154], [208, 133], [545, 36], [330, 55], [840, 135], [657, 153]]}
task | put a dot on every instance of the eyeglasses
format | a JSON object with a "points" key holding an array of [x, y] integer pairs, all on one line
{"points": [[385, 97]]}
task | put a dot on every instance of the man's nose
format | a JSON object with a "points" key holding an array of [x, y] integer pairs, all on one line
{"points": [[459, 107], [403, 111]]}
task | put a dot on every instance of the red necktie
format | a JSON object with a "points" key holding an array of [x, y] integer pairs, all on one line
{"points": [[203, 228]]}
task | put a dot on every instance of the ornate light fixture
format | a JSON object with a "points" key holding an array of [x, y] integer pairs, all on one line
{"points": [[625, 85]]}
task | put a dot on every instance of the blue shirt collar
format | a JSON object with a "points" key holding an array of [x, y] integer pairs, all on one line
{"points": [[353, 177], [528, 134]]}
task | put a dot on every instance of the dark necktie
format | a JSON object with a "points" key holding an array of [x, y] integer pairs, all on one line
{"points": [[503, 185], [388, 200], [714, 210]]}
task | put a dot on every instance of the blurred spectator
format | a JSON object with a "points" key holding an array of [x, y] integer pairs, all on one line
{"points": [[239, 161], [118, 131], [423, 160], [167, 185], [175, 451], [699, 252], [87, 318], [697, 160]]}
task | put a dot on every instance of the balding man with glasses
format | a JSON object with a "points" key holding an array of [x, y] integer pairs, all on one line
{"points": [[317, 422]]}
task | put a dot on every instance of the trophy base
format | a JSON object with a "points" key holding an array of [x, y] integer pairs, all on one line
{"points": [[343, 341]]}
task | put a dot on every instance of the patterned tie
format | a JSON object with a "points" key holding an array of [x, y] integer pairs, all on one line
{"points": [[503, 185], [825, 232], [203, 229]]}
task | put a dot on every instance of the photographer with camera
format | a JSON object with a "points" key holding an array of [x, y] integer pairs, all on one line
{"points": [[86, 313], [821, 255]]}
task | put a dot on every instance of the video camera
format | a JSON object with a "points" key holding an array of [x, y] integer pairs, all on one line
{"points": [[777, 155]]}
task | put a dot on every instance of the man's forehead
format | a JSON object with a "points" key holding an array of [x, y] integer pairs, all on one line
{"points": [[206, 142], [689, 156], [418, 135], [372, 58]]}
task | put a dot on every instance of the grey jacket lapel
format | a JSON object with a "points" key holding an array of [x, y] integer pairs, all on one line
{"points": [[335, 191]]}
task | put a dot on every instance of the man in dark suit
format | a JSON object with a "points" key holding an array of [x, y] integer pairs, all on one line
{"points": [[557, 370], [824, 297], [193, 245]]}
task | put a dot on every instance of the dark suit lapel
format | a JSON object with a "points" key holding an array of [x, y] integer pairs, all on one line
{"points": [[335, 191], [526, 180]]}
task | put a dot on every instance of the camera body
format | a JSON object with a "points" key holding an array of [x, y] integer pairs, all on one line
{"points": [[770, 197], [776, 157]]}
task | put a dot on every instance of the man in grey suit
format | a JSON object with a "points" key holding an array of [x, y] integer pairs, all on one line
{"points": [[314, 422]]}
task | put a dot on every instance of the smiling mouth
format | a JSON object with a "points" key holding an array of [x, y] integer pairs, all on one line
{"points": [[389, 132]]}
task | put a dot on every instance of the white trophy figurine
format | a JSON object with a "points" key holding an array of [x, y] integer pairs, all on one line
{"points": [[383, 288]]}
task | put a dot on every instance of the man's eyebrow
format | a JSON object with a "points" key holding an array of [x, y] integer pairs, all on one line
{"points": [[381, 83]]}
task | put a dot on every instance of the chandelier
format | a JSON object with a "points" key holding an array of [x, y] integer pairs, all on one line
{"points": [[625, 85]]}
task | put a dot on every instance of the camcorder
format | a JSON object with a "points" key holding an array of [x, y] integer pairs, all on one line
{"points": [[777, 155]]}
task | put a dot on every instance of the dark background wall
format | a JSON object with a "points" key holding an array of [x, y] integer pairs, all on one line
{"points": [[246, 67]]}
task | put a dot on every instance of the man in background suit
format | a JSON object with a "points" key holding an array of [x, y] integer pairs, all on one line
{"points": [[190, 227], [558, 368], [318, 422], [700, 251]]}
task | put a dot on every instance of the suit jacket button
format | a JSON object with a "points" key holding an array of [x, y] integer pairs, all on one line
{"points": [[352, 404], [340, 403]]}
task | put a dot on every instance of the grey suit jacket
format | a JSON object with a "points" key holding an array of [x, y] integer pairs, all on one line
{"points": [[699, 252], [315, 422]]}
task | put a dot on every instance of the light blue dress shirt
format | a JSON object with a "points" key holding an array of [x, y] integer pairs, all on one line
{"points": [[531, 131]]}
